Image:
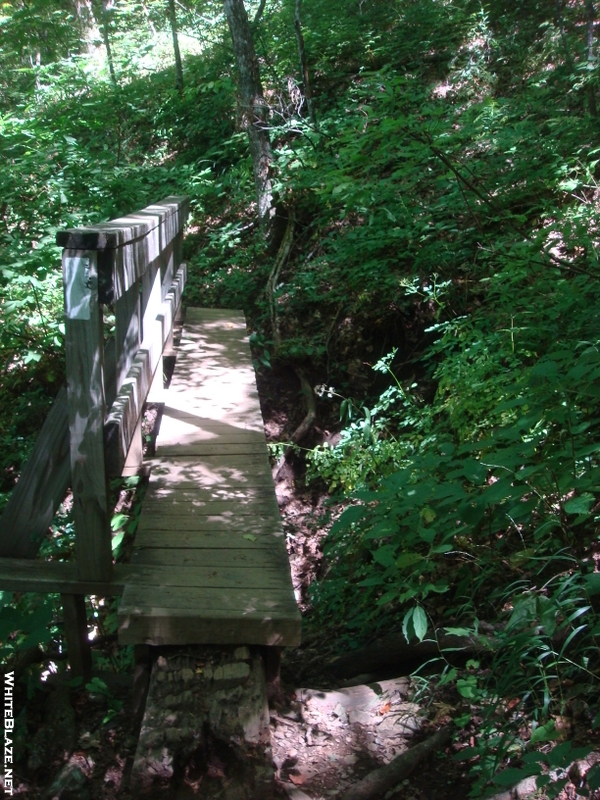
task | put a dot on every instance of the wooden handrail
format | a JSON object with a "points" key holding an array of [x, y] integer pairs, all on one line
{"points": [[126, 246], [134, 263]]}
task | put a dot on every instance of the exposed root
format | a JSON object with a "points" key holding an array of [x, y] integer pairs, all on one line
{"points": [[388, 776], [280, 261], [305, 425]]}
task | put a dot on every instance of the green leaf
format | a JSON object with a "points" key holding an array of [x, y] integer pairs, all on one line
{"points": [[544, 733], [427, 515], [392, 594], [407, 626], [592, 582], [414, 624], [408, 559], [593, 778], [386, 555], [474, 471], [419, 623], [118, 521], [459, 631], [510, 776], [579, 505], [427, 534], [467, 687]]}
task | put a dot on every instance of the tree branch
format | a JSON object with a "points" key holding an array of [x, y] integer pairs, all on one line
{"points": [[259, 13]]}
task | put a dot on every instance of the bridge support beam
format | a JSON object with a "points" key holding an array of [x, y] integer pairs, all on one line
{"points": [[76, 631]]}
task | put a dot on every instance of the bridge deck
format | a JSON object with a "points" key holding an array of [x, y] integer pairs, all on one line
{"points": [[210, 519]]}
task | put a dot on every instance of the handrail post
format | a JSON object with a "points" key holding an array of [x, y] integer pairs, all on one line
{"points": [[87, 414]]}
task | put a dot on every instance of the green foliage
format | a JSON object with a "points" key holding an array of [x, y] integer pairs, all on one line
{"points": [[26, 621], [446, 232]]}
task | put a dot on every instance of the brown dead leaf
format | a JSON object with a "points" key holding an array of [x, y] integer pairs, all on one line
{"points": [[297, 780], [443, 712], [384, 709]]}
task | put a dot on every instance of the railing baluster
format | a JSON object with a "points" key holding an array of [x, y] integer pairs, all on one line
{"points": [[84, 340]]}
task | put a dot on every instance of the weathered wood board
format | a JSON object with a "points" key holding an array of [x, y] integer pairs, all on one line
{"points": [[209, 564]]}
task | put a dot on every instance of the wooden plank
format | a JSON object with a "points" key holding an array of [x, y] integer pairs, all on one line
{"points": [[151, 304], [167, 268], [178, 432], [124, 417], [201, 449], [87, 411], [251, 557], [252, 463], [246, 423], [123, 424], [202, 600], [33, 575], [134, 459], [156, 578], [262, 522], [41, 488], [110, 372], [171, 305], [188, 536], [178, 247], [188, 627], [185, 473], [197, 616], [261, 494], [169, 350], [206, 485], [190, 508], [127, 331]]}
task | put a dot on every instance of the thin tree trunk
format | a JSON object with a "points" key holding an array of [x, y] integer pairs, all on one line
{"points": [[558, 10], [253, 108], [591, 20], [149, 18], [178, 66], [303, 63], [102, 18]]}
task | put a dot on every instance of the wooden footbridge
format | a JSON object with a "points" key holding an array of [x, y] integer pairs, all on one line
{"points": [[209, 564]]}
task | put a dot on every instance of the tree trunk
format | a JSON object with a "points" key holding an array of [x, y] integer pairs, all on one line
{"points": [[395, 651], [591, 19], [86, 23], [178, 66], [253, 108], [303, 63]]}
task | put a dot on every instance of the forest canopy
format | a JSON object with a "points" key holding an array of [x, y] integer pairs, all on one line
{"points": [[431, 270]]}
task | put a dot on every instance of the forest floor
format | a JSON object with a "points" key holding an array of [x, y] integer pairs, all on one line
{"points": [[325, 735]]}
